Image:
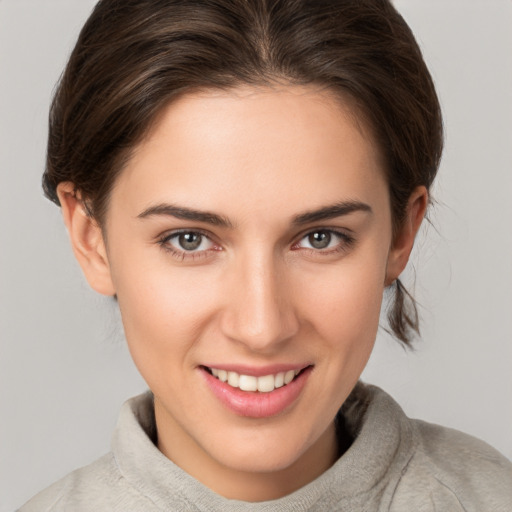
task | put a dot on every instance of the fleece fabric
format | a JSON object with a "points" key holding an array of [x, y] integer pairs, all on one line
{"points": [[394, 464]]}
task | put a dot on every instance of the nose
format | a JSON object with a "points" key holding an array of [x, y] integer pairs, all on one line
{"points": [[259, 311]]}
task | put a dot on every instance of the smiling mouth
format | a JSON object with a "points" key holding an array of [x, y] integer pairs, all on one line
{"points": [[262, 384]]}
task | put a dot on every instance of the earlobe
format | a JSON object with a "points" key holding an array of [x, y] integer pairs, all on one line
{"points": [[404, 239], [86, 240]]}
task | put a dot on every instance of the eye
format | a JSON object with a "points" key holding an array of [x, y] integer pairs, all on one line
{"points": [[326, 240], [187, 242], [319, 239]]}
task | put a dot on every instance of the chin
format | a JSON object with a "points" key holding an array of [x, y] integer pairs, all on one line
{"points": [[265, 461], [263, 450]]}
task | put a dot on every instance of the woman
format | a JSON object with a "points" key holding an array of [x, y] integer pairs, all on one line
{"points": [[247, 178]]}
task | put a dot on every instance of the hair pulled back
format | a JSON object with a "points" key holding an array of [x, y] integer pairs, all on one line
{"points": [[133, 57]]}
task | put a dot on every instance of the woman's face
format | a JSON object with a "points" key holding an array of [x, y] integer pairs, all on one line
{"points": [[249, 238]]}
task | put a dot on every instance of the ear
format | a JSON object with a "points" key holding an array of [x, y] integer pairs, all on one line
{"points": [[86, 240], [404, 239]]}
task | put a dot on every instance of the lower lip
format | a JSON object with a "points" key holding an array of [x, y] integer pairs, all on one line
{"points": [[254, 404]]}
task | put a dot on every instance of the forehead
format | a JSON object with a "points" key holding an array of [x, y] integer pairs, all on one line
{"points": [[209, 148]]}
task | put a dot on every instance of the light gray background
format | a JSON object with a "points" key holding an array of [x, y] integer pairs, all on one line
{"points": [[64, 370]]}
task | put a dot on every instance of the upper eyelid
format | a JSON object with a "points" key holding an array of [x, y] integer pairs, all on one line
{"points": [[335, 229]]}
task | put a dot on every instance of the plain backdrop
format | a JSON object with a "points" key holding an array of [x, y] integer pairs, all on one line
{"points": [[64, 368]]}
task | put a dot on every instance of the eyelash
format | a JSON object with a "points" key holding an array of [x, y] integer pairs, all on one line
{"points": [[183, 254], [346, 242]]}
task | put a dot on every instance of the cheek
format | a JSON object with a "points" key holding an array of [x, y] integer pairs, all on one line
{"points": [[164, 311], [340, 309], [345, 304]]}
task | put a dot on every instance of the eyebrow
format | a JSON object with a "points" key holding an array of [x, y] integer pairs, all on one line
{"points": [[180, 212], [331, 212], [326, 212]]}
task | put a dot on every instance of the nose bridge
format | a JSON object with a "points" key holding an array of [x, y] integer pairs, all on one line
{"points": [[260, 312]]}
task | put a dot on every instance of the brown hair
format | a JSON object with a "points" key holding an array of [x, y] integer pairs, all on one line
{"points": [[134, 56]]}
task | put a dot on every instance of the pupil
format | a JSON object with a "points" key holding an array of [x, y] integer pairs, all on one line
{"points": [[190, 241], [320, 239]]}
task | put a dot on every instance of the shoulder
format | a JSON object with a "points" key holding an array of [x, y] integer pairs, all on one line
{"points": [[98, 486], [456, 471]]}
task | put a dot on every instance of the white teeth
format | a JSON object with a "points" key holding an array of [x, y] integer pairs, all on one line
{"points": [[233, 379], [248, 383], [263, 384], [266, 383], [289, 376]]}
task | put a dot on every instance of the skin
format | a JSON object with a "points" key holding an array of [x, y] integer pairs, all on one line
{"points": [[256, 292]]}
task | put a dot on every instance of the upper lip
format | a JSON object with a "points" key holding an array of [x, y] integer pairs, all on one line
{"points": [[258, 371]]}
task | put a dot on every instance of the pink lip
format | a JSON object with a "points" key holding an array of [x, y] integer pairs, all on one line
{"points": [[255, 404]]}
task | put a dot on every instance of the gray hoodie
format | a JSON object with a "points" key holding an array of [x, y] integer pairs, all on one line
{"points": [[394, 464]]}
